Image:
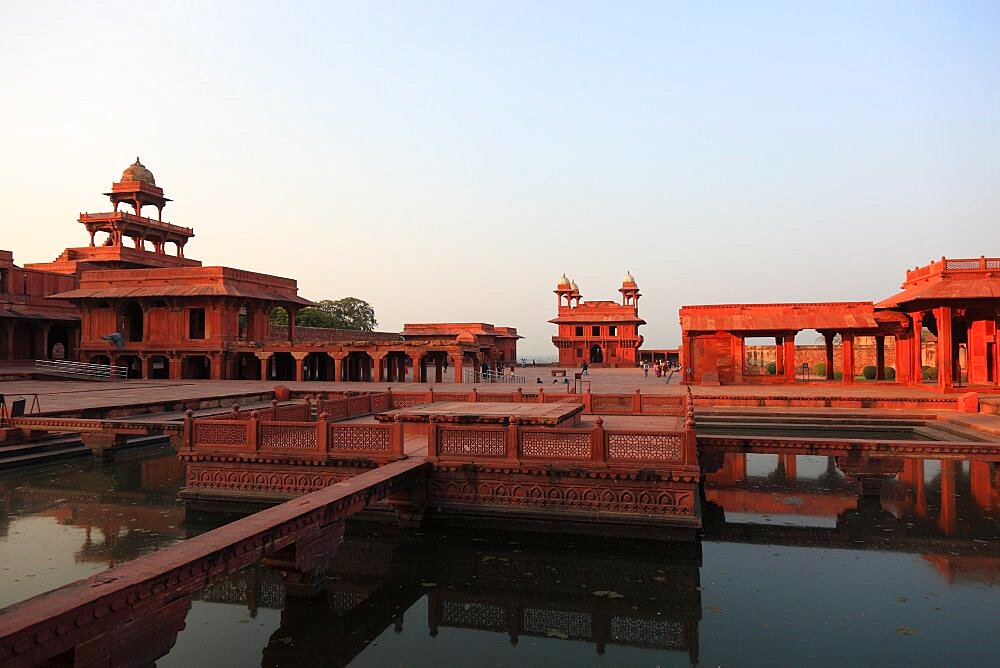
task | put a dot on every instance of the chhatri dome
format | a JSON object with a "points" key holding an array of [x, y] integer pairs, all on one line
{"points": [[628, 278], [563, 283], [572, 284], [138, 172]]}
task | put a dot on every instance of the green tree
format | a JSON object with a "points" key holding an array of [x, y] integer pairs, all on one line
{"points": [[346, 313]]}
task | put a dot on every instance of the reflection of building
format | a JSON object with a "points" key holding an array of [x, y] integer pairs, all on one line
{"points": [[601, 333]]}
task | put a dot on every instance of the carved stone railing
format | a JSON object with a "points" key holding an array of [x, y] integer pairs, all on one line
{"points": [[253, 439], [516, 443], [954, 266]]}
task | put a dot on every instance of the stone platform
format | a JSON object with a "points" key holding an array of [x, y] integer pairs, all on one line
{"points": [[562, 414]]}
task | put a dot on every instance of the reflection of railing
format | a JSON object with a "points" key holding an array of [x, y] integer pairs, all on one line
{"points": [[473, 376], [81, 370]]}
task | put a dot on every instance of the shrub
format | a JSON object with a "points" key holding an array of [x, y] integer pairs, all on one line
{"points": [[890, 373], [838, 375], [869, 372], [819, 369], [772, 368], [930, 373]]}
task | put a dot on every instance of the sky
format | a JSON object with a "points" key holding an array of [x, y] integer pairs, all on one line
{"points": [[448, 161]]}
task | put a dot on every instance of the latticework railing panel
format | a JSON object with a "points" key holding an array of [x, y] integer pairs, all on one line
{"points": [[284, 435], [360, 438], [472, 442], [555, 445], [640, 446]]}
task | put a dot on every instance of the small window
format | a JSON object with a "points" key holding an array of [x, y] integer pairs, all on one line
{"points": [[595, 330], [196, 323], [613, 330], [579, 351], [3, 281], [579, 330]]}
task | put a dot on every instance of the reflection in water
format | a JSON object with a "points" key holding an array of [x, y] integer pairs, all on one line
{"points": [[804, 560], [66, 521]]}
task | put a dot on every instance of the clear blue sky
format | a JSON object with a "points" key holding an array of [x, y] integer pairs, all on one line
{"points": [[448, 161]]}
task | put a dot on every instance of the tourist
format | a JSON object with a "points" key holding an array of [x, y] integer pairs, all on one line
{"points": [[584, 368], [645, 369], [538, 379], [446, 365]]}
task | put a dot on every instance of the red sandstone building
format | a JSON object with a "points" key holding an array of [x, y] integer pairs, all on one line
{"points": [[183, 320], [957, 301], [601, 333]]}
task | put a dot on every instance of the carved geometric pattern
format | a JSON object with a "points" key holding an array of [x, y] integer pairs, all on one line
{"points": [[661, 447], [472, 442], [219, 433], [555, 445], [278, 482], [474, 615], [293, 413], [650, 499], [336, 409], [662, 405], [993, 264], [647, 632], [962, 264], [541, 622], [499, 398], [451, 396], [374, 438], [342, 601], [274, 435], [559, 398], [407, 400], [380, 402], [357, 405], [610, 405]]}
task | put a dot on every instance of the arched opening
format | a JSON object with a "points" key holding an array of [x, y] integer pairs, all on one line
{"points": [[278, 319], [760, 355], [357, 367], [196, 367], [281, 366], [438, 361], [596, 354], [58, 347], [245, 366], [100, 359], [132, 321], [24, 341], [395, 367], [133, 364], [317, 366], [159, 367], [244, 322]]}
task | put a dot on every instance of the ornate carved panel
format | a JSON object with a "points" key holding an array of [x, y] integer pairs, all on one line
{"points": [[646, 632], [644, 446], [368, 438], [610, 405], [277, 435], [554, 445], [219, 433], [472, 442]]}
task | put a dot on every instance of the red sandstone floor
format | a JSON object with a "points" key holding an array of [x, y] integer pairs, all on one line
{"points": [[59, 396]]}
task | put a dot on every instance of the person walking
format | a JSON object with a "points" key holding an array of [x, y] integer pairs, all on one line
{"points": [[645, 369], [584, 368]]}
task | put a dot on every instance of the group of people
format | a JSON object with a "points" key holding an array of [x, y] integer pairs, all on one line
{"points": [[660, 368]]}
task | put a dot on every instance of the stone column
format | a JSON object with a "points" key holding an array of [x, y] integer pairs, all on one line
{"points": [[380, 370], [299, 365], [263, 357], [175, 365], [847, 352], [437, 369], [789, 355], [945, 359], [828, 341], [879, 358], [917, 358], [457, 360], [215, 366], [779, 356], [416, 367]]}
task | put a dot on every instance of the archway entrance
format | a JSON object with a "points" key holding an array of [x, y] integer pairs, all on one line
{"points": [[357, 367], [58, 343], [282, 367], [438, 360], [132, 321], [196, 367], [395, 366], [317, 366], [159, 368], [100, 359], [133, 364], [596, 354], [246, 366]]}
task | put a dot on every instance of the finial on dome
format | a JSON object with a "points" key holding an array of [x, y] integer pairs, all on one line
{"points": [[563, 282], [628, 277], [138, 172]]}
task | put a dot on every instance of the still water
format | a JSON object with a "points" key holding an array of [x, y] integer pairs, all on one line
{"points": [[794, 569]]}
